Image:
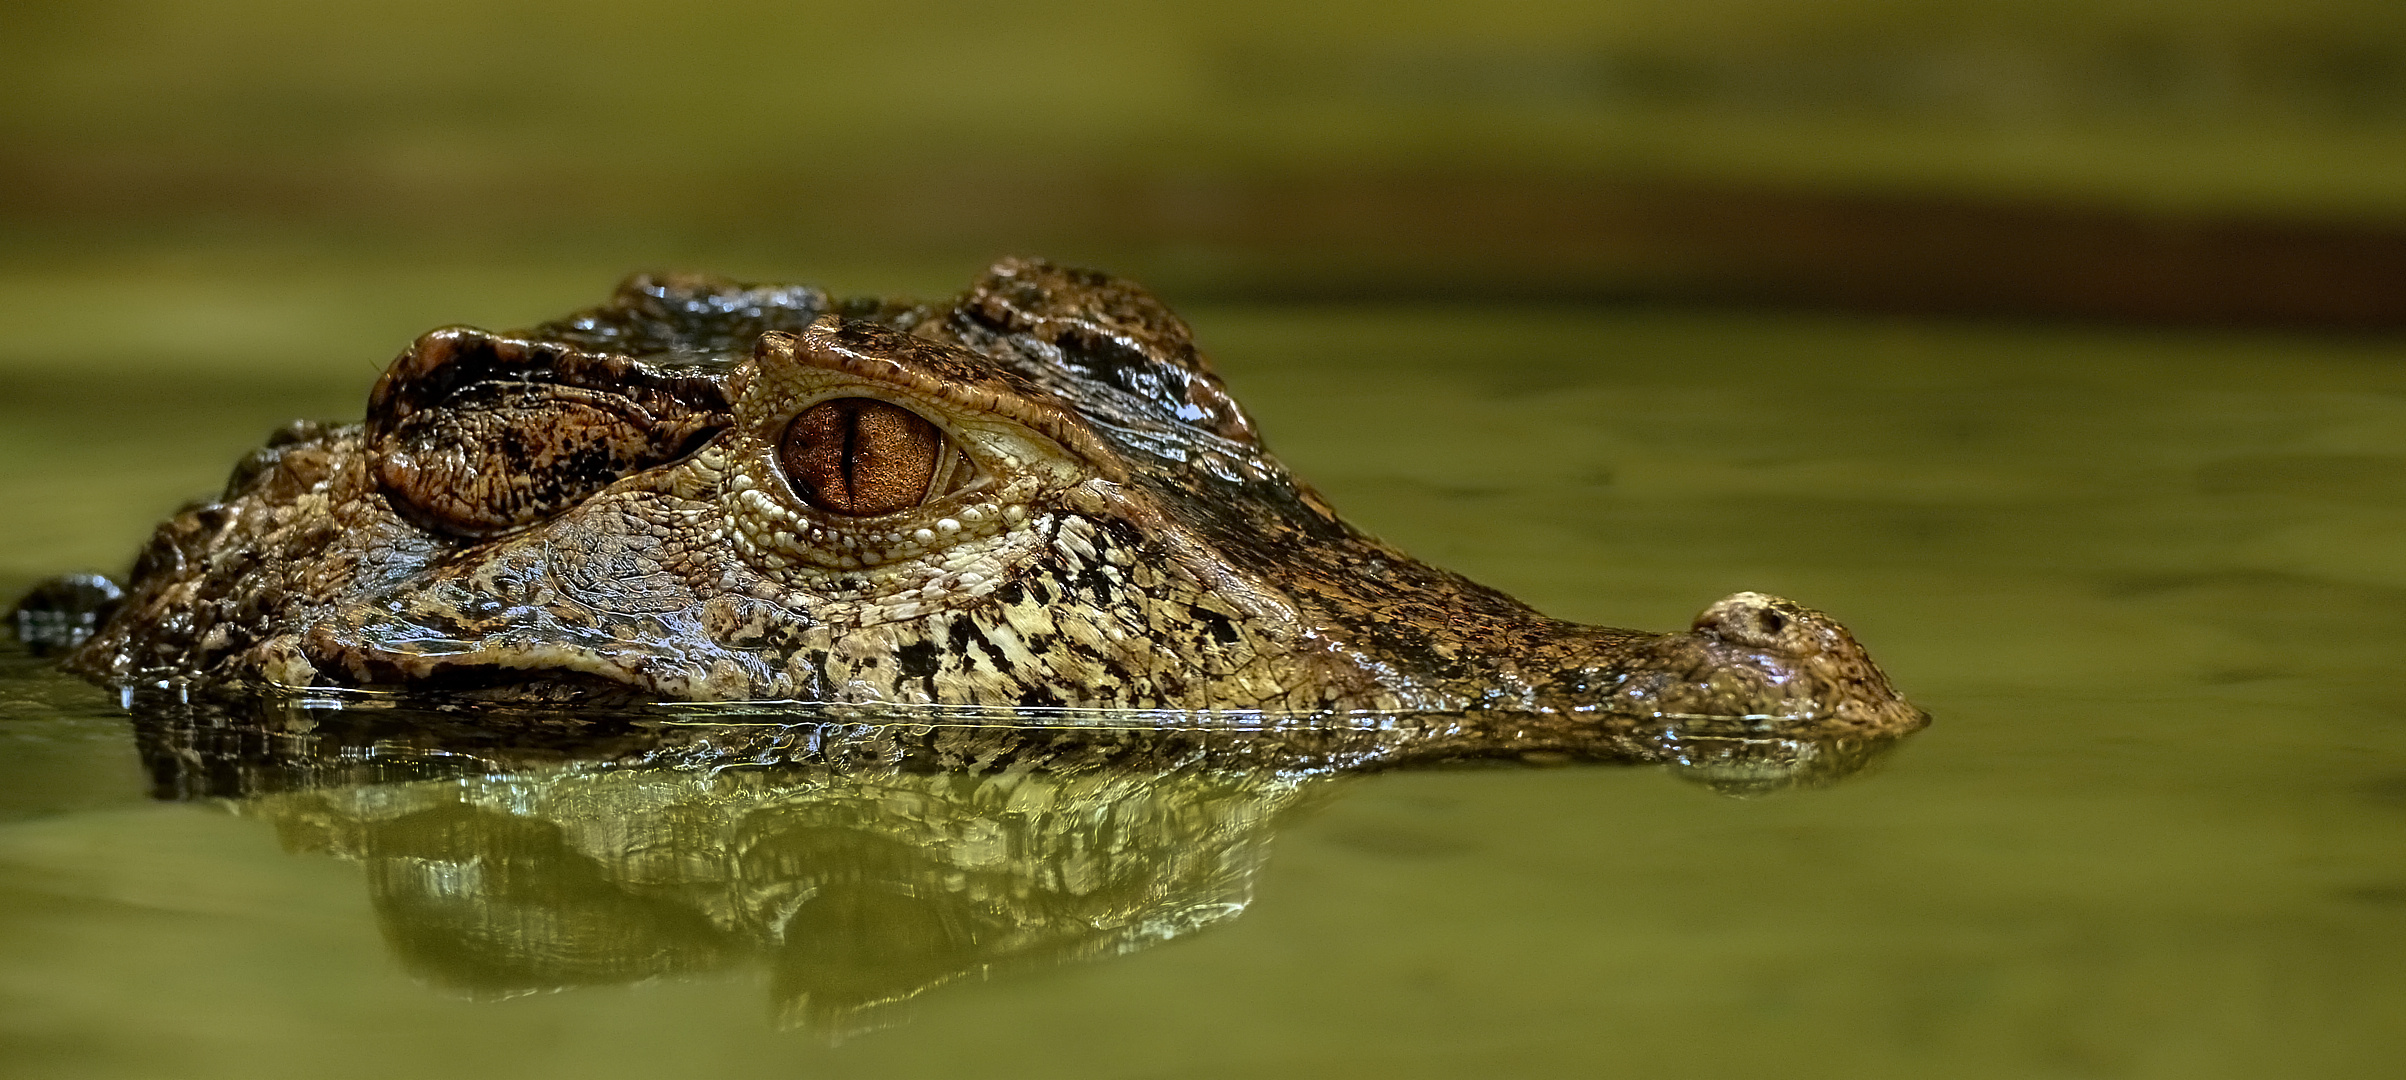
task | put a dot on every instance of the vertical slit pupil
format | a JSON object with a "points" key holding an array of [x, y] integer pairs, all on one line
{"points": [[861, 456]]}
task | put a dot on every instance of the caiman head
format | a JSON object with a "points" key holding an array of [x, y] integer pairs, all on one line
{"points": [[1036, 495]]}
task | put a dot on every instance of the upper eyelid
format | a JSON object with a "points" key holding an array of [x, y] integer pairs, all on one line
{"points": [[889, 379]]}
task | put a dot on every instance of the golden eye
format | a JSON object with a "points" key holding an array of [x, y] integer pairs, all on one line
{"points": [[861, 457]]}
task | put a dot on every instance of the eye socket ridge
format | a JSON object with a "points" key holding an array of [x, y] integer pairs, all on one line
{"points": [[865, 457]]}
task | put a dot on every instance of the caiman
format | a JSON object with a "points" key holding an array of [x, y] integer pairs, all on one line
{"points": [[1035, 496]]}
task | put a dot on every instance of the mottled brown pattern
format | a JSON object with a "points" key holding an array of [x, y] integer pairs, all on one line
{"points": [[596, 508]]}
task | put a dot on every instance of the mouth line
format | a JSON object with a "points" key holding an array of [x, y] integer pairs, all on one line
{"points": [[480, 686]]}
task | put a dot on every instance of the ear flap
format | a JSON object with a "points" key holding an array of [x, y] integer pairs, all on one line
{"points": [[476, 435], [1104, 329]]}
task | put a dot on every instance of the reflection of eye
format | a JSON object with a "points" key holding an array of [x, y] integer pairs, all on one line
{"points": [[861, 457]]}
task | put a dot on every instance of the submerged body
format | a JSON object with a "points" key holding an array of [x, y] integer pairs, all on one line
{"points": [[1037, 495]]}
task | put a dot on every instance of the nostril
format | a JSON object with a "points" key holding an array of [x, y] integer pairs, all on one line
{"points": [[1751, 619]]}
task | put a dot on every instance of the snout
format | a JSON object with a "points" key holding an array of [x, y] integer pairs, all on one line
{"points": [[1755, 655]]}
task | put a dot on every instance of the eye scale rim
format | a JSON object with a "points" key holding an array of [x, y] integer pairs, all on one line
{"points": [[862, 456]]}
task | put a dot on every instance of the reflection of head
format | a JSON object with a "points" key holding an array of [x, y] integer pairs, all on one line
{"points": [[863, 862], [1747, 765], [860, 890]]}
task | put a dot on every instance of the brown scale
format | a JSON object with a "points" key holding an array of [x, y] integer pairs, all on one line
{"points": [[534, 514]]}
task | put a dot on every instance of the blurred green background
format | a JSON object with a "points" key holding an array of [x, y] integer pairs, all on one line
{"points": [[2218, 160]]}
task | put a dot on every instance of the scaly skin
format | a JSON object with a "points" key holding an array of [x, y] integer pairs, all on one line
{"points": [[596, 510]]}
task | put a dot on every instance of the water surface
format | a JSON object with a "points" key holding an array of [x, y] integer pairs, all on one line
{"points": [[2149, 584]]}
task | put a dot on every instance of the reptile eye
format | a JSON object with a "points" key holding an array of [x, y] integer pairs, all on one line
{"points": [[861, 457]]}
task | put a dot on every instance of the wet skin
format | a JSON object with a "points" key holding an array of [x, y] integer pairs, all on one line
{"points": [[1035, 496]]}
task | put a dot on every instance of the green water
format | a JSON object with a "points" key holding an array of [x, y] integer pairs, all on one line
{"points": [[2149, 583]]}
